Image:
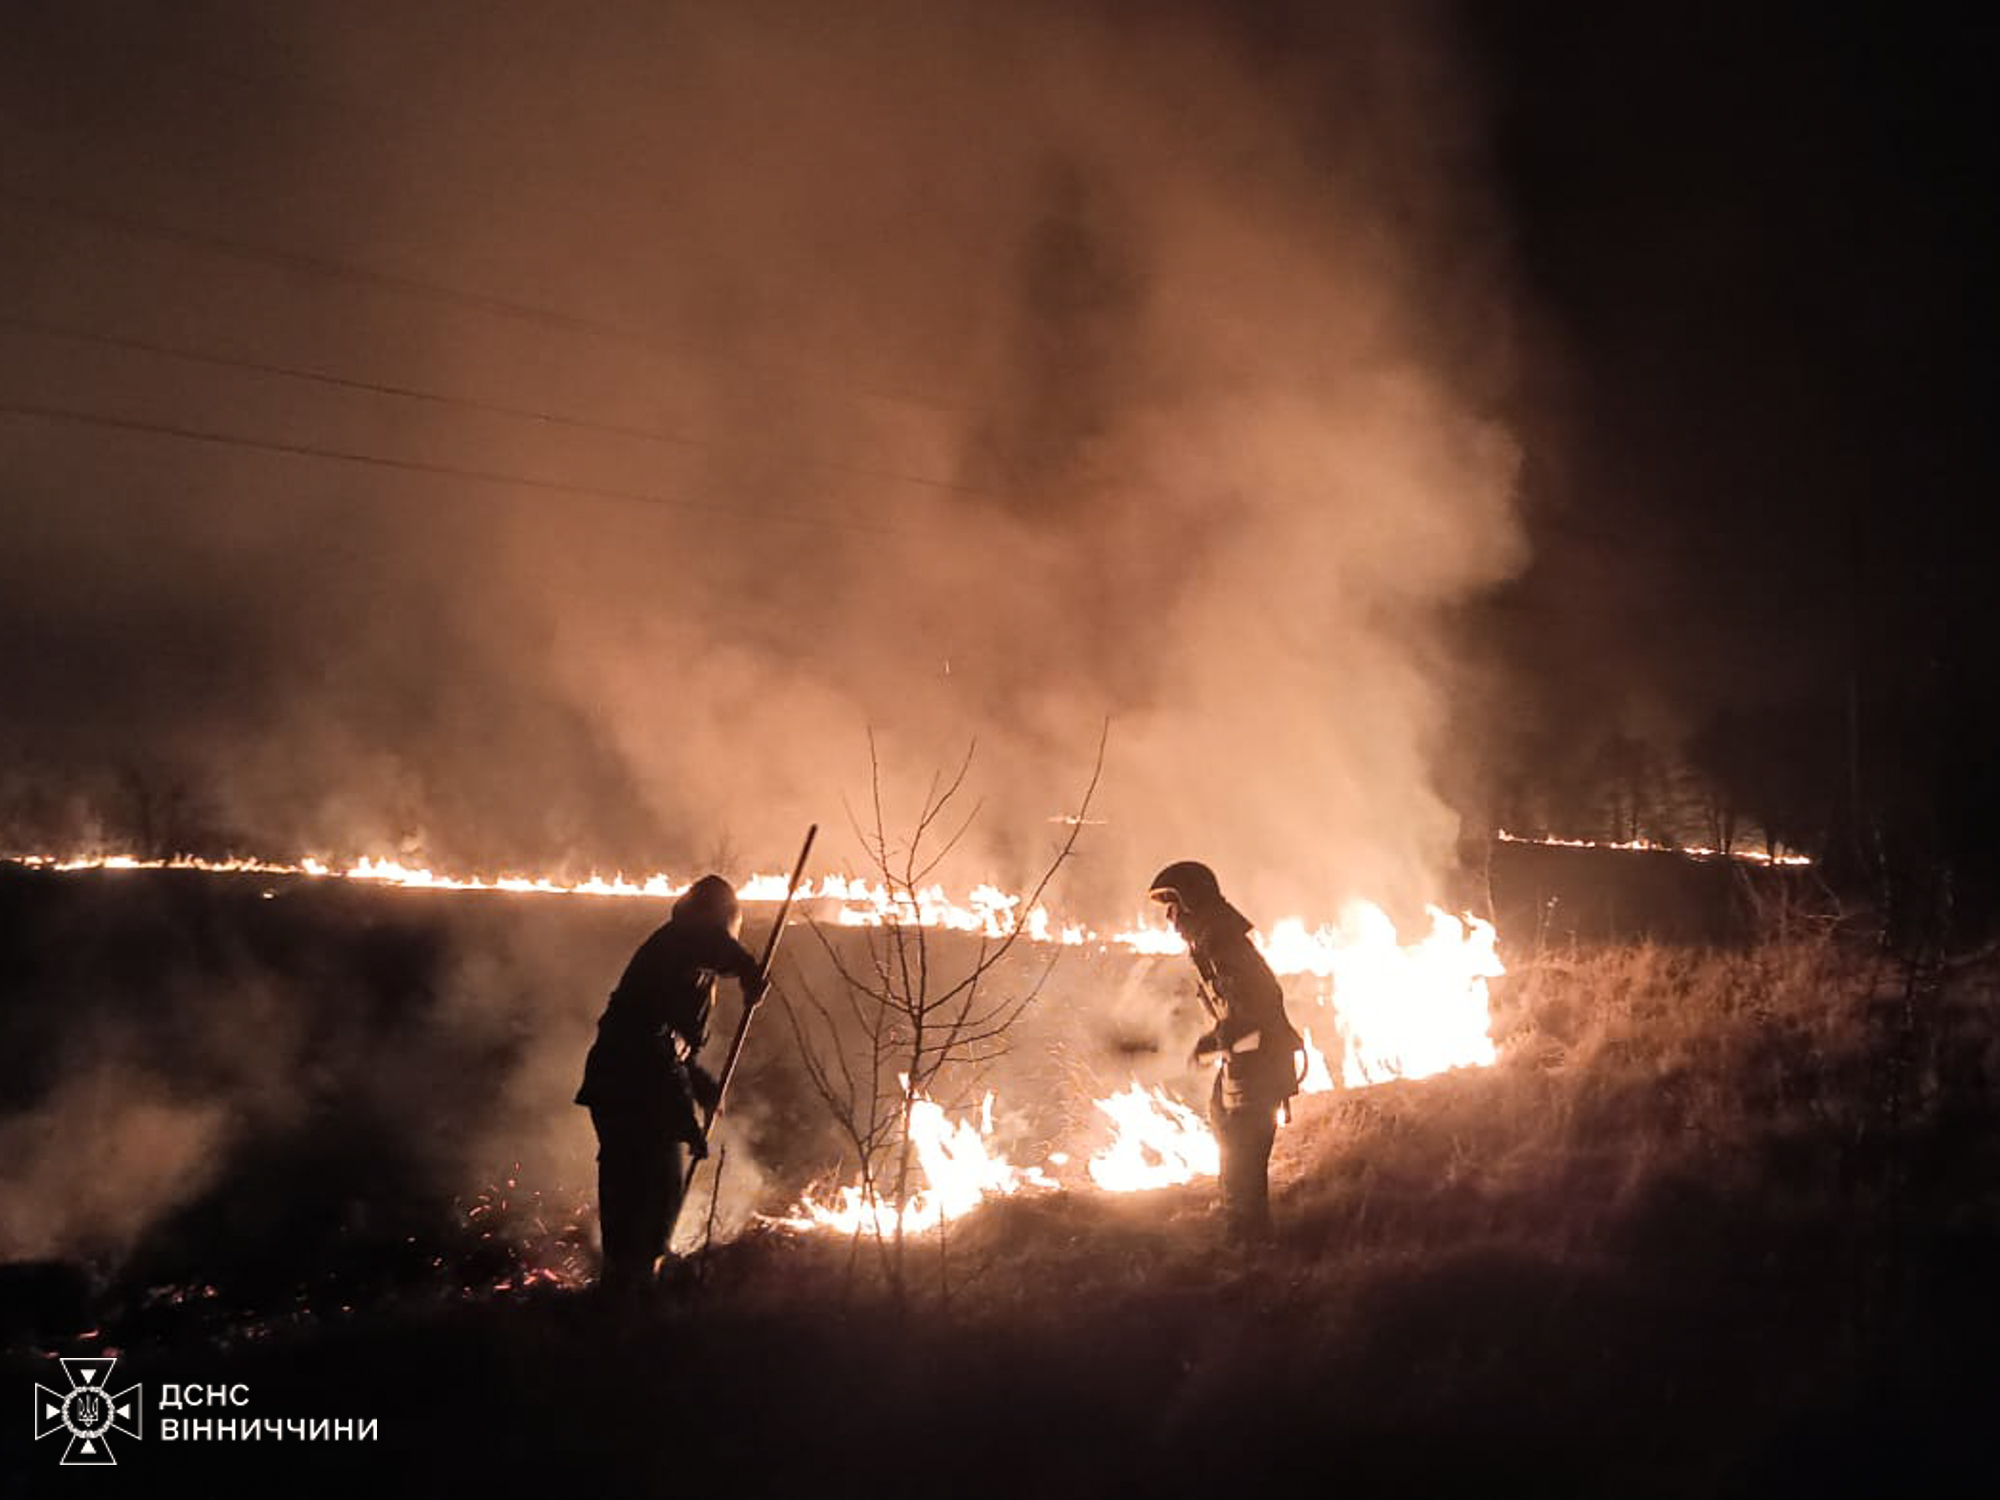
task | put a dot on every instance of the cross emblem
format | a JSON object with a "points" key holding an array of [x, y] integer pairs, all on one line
{"points": [[89, 1411]]}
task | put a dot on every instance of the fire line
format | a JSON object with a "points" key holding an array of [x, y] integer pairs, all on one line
{"points": [[1387, 1008]]}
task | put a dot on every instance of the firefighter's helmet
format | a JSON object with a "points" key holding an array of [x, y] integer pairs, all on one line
{"points": [[710, 901], [1186, 884]]}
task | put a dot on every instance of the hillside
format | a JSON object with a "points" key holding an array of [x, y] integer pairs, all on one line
{"points": [[1718, 1223]]}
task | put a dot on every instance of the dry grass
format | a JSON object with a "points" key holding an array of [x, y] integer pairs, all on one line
{"points": [[1804, 1078], [1717, 1223]]}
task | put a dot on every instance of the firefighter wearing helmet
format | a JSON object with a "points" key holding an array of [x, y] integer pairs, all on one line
{"points": [[641, 1082], [1251, 1035]]}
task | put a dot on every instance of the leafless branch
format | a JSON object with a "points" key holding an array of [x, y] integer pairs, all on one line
{"points": [[902, 1028]]}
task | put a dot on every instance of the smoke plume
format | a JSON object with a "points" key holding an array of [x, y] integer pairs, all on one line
{"points": [[966, 373]]}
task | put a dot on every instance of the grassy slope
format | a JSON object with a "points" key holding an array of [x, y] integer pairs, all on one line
{"points": [[1716, 1225]]}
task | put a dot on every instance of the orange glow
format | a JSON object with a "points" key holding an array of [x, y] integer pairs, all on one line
{"points": [[1694, 851], [1400, 1010], [1159, 1142], [1393, 1010], [960, 1171]]}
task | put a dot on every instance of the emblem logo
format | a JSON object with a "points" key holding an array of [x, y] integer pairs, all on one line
{"points": [[89, 1411]]}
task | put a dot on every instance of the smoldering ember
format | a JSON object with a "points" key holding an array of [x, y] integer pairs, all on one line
{"points": [[1380, 615]]}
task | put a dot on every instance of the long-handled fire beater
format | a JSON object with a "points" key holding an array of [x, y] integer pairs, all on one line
{"points": [[743, 1023]]}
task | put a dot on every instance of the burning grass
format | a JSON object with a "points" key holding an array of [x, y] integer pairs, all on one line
{"points": [[1714, 1223], [1796, 1080]]}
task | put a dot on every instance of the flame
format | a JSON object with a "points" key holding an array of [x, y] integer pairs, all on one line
{"points": [[960, 1172], [1160, 1142], [370, 871], [1400, 1010], [1317, 1078], [1648, 846], [1397, 1010], [987, 911], [1408, 1011]]}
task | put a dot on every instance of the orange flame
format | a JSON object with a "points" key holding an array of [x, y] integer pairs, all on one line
{"points": [[1160, 1142], [960, 1172], [1694, 851], [1397, 1010]]}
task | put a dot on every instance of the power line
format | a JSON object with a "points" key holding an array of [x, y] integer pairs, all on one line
{"points": [[420, 466], [467, 403], [411, 286]]}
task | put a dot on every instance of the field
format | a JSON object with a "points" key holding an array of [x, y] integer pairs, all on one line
{"points": [[1720, 1222]]}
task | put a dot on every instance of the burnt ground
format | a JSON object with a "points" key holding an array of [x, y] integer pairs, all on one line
{"points": [[1721, 1223], [1554, 895]]}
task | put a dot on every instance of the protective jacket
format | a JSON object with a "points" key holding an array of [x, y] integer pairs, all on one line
{"points": [[1247, 1004], [640, 1066]]}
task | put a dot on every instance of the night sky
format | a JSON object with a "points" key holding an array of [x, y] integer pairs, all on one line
{"points": [[1759, 467], [1722, 285], [1754, 244]]}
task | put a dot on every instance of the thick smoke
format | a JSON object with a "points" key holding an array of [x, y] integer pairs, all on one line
{"points": [[1011, 369], [955, 374]]}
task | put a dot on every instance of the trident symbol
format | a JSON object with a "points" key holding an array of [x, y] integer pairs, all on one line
{"points": [[88, 1411]]}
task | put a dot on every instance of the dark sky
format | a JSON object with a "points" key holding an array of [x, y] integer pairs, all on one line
{"points": [[1759, 450], [1714, 268]]}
